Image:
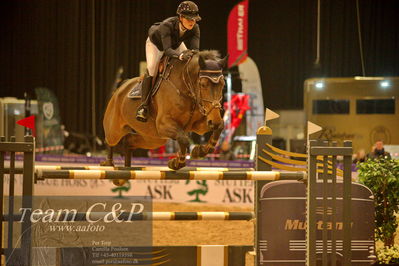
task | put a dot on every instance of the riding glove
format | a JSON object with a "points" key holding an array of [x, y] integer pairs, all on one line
{"points": [[185, 55]]}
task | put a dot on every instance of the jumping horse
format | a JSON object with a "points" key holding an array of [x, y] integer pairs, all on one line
{"points": [[188, 100]]}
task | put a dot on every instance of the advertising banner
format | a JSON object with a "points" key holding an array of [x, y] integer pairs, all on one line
{"points": [[251, 85], [52, 139], [282, 237], [230, 192], [237, 34]]}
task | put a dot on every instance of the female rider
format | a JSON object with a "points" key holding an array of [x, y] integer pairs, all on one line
{"points": [[169, 37]]}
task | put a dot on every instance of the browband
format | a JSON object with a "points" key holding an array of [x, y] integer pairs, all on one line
{"points": [[213, 75]]}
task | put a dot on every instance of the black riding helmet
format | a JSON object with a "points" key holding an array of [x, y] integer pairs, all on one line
{"points": [[188, 10]]}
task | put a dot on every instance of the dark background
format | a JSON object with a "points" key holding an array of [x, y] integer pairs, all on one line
{"points": [[50, 43]]}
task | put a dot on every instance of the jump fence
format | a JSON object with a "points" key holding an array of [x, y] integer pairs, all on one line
{"points": [[320, 167]]}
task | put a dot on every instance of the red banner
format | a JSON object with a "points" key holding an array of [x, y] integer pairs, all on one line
{"points": [[237, 34]]}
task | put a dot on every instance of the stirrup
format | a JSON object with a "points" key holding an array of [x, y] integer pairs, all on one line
{"points": [[141, 114]]}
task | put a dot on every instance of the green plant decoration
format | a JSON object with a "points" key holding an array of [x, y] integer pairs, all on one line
{"points": [[202, 190], [388, 255], [125, 188], [382, 177]]}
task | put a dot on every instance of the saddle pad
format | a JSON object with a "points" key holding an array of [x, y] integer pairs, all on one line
{"points": [[164, 67], [135, 92]]}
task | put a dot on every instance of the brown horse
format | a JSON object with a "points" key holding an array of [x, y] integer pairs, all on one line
{"points": [[188, 100]]}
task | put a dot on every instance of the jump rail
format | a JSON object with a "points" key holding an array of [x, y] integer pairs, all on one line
{"points": [[167, 175], [137, 168], [149, 216]]}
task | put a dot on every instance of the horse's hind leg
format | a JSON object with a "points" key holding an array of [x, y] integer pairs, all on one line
{"points": [[200, 151], [128, 160], [110, 160], [128, 156]]}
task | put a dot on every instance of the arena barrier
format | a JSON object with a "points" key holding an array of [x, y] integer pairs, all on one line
{"points": [[324, 171]]}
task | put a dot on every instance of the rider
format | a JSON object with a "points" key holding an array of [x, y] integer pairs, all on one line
{"points": [[169, 37]]}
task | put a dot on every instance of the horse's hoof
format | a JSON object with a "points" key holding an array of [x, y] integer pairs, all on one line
{"points": [[197, 152], [107, 163], [119, 182], [175, 165]]}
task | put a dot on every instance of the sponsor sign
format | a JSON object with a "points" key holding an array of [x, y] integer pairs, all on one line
{"points": [[251, 85], [282, 238], [237, 34], [237, 192], [52, 137]]}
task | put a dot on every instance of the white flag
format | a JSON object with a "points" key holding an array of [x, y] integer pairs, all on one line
{"points": [[313, 128], [270, 115]]}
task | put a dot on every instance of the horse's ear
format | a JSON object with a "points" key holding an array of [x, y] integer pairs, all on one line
{"points": [[223, 62], [201, 62]]}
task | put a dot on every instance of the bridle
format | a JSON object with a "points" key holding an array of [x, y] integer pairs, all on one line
{"points": [[197, 97], [215, 103]]}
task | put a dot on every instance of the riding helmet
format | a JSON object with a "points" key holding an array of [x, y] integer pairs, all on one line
{"points": [[188, 10]]}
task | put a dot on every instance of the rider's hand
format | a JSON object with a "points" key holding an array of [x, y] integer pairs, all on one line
{"points": [[185, 55]]}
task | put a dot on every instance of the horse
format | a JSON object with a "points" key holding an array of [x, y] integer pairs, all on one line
{"points": [[188, 100]]}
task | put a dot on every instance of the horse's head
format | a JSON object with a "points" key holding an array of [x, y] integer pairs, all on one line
{"points": [[210, 85]]}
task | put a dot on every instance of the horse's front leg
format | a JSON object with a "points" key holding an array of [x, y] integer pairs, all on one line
{"points": [[180, 160], [170, 129], [200, 151]]}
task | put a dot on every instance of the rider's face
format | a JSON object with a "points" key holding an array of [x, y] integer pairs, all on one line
{"points": [[187, 23]]}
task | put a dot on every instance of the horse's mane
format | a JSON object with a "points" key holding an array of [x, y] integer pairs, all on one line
{"points": [[210, 54]]}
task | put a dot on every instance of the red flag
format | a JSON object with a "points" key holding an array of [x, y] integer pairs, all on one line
{"points": [[237, 34], [28, 122]]}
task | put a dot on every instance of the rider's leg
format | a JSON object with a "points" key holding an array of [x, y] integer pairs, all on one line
{"points": [[153, 55], [142, 110]]}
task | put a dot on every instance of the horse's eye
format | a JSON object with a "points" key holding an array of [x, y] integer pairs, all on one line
{"points": [[203, 83]]}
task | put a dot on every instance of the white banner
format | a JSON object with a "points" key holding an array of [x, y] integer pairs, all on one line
{"points": [[239, 192], [251, 84]]}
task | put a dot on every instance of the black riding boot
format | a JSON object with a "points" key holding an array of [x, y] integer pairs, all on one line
{"points": [[142, 111]]}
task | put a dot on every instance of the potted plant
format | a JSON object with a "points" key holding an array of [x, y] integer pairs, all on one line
{"points": [[381, 176]]}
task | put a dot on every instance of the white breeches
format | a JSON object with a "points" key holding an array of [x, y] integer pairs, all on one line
{"points": [[153, 55]]}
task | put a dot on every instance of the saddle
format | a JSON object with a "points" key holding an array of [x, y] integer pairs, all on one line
{"points": [[164, 69]]}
